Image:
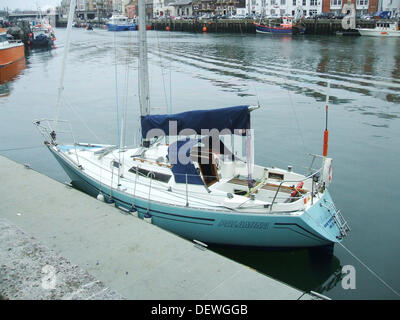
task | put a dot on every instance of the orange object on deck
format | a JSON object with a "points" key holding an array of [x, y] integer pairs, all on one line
{"points": [[204, 29], [167, 28]]}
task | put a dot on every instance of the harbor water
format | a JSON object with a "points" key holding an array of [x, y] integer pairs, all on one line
{"points": [[288, 77]]}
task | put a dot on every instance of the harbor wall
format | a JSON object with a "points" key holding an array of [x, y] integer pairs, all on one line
{"points": [[313, 26]]}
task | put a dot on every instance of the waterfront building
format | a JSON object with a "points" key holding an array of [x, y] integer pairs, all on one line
{"points": [[182, 8], [362, 6], [280, 8], [228, 6], [391, 5], [163, 8]]}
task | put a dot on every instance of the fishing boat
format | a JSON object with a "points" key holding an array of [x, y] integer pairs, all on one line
{"points": [[119, 22], [10, 50], [42, 35], [12, 60], [284, 27], [382, 29], [187, 177]]}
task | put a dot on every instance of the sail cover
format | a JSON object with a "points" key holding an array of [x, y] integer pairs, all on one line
{"points": [[232, 118]]}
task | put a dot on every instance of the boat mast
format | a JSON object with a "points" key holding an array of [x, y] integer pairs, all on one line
{"points": [[66, 49], [144, 98]]}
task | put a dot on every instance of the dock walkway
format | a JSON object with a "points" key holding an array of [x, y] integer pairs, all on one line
{"points": [[127, 256]]}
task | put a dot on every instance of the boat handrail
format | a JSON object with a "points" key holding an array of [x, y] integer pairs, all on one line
{"points": [[311, 176], [46, 129]]}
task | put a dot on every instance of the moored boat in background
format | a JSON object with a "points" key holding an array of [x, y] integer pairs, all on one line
{"points": [[12, 60], [119, 22], [42, 35], [10, 50], [382, 29], [286, 26]]}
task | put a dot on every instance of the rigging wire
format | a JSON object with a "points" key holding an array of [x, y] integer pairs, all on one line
{"points": [[297, 122], [70, 106], [251, 82], [162, 70]]}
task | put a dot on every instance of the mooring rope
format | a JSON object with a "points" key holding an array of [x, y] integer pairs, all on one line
{"points": [[369, 269], [359, 260], [20, 148]]}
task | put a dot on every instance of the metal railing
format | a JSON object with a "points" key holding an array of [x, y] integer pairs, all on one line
{"points": [[294, 181]]}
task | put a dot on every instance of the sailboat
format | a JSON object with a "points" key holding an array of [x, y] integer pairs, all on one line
{"points": [[184, 177]]}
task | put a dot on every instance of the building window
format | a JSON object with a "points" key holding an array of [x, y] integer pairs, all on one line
{"points": [[283, 2], [362, 2], [313, 2], [313, 13], [294, 2], [336, 2], [304, 2]]}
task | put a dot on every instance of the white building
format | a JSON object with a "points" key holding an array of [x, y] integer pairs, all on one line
{"points": [[390, 5], [163, 8], [273, 8]]}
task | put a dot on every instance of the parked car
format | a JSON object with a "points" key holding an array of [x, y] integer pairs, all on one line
{"points": [[339, 15], [367, 17], [325, 15]]}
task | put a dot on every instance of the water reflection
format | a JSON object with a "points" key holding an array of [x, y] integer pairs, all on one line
{"points": [[299, 268], [355, 67], [8, 73]]}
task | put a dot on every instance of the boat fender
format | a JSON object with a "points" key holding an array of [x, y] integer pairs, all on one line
{"points": [[100, 197], [296, 191], [147, 217], [109, 200]]}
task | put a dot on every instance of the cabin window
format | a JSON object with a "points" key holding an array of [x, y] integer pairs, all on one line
{"points": [[163, 177], [239, 192], [274, 175], [3, 37], [115, 164]]}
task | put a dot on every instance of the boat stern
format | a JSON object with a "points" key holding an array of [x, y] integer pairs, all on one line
{"points": [[326, 219]]}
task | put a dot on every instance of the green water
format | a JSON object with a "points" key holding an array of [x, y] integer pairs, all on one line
{"points": [[288, 77]]}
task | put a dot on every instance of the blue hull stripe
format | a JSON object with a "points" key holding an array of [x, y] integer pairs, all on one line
{"points": [[295, 224], [205, 224]]}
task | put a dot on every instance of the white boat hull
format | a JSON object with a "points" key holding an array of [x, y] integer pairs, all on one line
{"points": [[378, 33]]}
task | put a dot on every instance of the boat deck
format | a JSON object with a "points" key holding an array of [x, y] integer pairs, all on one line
{"points": [[268, 186]]}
